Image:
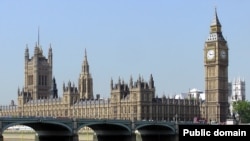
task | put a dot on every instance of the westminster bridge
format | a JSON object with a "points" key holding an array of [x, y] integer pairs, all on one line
{"points": [[66, 129]]}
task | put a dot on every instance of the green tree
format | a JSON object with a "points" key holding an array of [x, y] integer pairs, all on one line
{"points": [[242, 108]]}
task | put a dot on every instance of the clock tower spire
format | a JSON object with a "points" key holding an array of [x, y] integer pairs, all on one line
{"points": [[216, 73]]}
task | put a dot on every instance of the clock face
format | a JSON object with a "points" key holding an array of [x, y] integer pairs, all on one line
{"points": [[223, 54], [210, 54]]}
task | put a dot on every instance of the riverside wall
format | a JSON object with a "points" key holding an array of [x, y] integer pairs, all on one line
{"points": [[31, 136]]}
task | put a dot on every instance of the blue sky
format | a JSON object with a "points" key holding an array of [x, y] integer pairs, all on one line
{"points": [[123, 38]]}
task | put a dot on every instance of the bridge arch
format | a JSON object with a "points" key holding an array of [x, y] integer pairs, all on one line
{"points": [[155, 131], [105, 131], [46, 130], [102, 125], [161, 125], [32, 123]]}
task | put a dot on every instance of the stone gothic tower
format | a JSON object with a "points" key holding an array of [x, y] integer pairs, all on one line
{"points": [[137, 96], [237, 92], [38, 74], [85, 81], [216, 73]]}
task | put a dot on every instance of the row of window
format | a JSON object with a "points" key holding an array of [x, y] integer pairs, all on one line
{"points": [[42, 80]]}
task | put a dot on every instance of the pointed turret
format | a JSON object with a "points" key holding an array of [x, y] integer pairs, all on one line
{"points": [[38, 37], [27, 53], [215, 29], [69, 84], [151, 81], [18, 91], [85, 84], [119, 80], [36, 51], [50, 59], [85, 65], [54, 89], [111, 83], [139, 78], [64, 88], [131, 82], [215, 21]]}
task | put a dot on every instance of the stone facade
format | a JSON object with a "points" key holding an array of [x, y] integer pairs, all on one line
{"points": [[135, 100]]}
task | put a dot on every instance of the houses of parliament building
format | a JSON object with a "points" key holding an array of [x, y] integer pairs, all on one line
{"points": [[134, 100]]}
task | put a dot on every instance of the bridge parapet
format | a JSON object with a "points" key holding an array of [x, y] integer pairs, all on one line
{"points": [[104, 128], [139, 124]]}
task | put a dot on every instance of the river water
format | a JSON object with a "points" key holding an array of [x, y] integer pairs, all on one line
{"points": [[32, 137], [21, 139]]}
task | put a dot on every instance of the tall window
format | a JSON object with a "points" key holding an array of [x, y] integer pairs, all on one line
{"points": [[135, 109], [42, 80], [30, 80]]}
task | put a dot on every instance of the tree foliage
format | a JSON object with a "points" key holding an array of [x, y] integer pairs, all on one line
{"points": [[242, 108]]}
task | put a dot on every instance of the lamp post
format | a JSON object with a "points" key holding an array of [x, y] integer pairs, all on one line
{"points": [[237, 116], [176, 123], [176, 118]]}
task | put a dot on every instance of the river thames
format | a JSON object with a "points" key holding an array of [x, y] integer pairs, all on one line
{"points": [[31, 136], [25, 133]]}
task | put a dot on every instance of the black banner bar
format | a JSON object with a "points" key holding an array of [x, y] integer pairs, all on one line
{"points": [[198, 132]]}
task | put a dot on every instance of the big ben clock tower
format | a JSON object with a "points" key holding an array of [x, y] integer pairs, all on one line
{"points": [[216, 73]]}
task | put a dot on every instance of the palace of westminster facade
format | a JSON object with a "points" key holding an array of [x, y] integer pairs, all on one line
{"points": [[135, 100]]}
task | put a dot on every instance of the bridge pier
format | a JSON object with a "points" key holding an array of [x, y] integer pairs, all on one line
{"points": [[1, 137], [58, 138], [75, 137]]}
